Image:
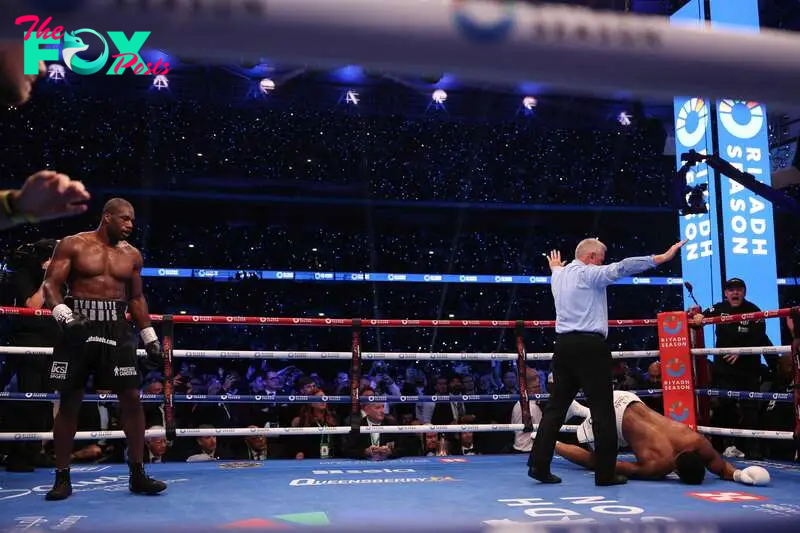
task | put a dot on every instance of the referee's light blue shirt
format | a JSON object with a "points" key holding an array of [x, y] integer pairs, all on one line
{"points": [[579, 291]]}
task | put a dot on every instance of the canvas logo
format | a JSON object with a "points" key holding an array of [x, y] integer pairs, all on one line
{"points": [[727, 497], [366, 471], [238, 465], [306, 482]]}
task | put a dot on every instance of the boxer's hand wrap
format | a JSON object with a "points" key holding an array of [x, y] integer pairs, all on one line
{"points": [[63, 314], [73, 324], [155, 357], [752, 475]]}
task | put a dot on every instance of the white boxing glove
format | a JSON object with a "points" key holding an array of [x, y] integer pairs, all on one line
{"points": [[752, 475]]}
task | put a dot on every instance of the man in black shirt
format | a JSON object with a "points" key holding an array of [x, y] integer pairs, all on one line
{"points": [[28, 264], [738, 372]]}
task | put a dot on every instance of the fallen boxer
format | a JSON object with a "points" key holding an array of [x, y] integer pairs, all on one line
{"points": [[661, 446]]}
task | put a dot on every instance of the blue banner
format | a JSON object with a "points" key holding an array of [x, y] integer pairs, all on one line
{"points": [[748, 224], [700, 260]]}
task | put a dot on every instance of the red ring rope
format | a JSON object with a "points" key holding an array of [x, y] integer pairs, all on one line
{"points": [[398, 323]]}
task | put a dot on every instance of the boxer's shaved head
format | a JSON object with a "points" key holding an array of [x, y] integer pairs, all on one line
{"points": [[116, 205]]}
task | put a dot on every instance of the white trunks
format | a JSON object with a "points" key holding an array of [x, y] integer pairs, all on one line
{"points": [[622, 399]]}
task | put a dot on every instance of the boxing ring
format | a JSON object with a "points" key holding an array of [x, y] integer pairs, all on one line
{"points": [[563, 47], [462, 492]]}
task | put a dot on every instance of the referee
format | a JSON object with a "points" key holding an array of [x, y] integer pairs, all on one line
{"points": [[581, 359]]}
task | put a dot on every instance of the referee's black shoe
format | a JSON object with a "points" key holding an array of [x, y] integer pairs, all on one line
{"points": [[544, 478], [616, 480]]}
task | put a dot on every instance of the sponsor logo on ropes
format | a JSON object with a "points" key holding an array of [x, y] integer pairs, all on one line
{"points": [[102, 434], [36, 395], [199, 318], [235, 319], [232, 397], [726, 497], [26, 436]]}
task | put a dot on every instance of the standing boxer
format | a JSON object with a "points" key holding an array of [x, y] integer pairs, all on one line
{"points": [[103, 273]]}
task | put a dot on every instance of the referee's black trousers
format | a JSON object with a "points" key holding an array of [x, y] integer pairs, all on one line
{"points": [[580, 361]]}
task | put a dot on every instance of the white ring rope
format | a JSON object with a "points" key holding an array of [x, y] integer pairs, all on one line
{"points": [[342, 430], [574, 49], [747, 350], [390, 356], [405, 356]]}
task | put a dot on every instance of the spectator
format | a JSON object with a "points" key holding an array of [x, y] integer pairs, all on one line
{"points": [[314, 446]]}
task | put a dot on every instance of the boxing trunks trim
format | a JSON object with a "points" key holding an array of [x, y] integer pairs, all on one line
{"points": [[98, 310], [622, 399]]}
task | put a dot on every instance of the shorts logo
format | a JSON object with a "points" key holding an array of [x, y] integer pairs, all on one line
{"points": [[125, 371], [59, 370], [102, 340]]}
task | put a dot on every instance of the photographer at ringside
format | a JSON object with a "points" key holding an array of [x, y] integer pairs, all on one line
{"points": [[23, 288]]}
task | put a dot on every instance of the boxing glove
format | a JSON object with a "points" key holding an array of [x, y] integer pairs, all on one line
{"points": [[752, 475], [74, 325], [155, 356]]}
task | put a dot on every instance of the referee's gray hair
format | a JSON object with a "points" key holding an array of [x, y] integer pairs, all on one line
{"points": [[587, 246]]}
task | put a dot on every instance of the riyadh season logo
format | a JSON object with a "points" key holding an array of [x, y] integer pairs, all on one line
{"points": [[744, 120], [691, 125], [71, 44]]}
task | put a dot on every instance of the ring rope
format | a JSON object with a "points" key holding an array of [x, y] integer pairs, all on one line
{"points": [[402, 356], [342, 430], [400, 323], [372, 356], [343, 399], [567, 47]]}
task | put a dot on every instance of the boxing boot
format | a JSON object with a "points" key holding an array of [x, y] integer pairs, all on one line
{"points": [[139, 483], [62, 488]]}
